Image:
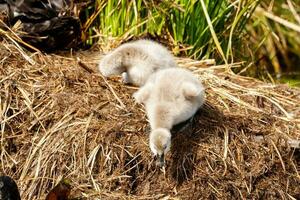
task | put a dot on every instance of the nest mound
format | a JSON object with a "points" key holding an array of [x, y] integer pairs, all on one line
{"points": [[60, 119]]}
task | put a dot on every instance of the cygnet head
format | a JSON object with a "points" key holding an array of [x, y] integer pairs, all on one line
{"points": [[160, 143], [111, 64]]}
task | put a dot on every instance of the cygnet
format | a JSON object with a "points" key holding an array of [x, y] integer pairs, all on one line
{"points": [[170, 96], [136, 61]]}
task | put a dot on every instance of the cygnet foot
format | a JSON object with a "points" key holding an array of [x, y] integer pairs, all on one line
{"points": [[125, 78]]}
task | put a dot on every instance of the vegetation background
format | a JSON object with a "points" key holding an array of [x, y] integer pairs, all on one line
{"points": [[264, 34]]}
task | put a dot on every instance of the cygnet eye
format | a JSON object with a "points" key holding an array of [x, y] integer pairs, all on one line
{"points": [[177, 97], [165, 146]]}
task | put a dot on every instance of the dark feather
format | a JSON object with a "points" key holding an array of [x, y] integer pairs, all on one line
{"points": [[8, 189], [45, 23]]}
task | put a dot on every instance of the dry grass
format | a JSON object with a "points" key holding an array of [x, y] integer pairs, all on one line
{"points": [[59, 119]]}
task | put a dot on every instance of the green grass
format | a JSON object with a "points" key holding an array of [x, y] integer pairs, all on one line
{"points": [[293, 80], [273, 40], [264, 34], [198, 28]]}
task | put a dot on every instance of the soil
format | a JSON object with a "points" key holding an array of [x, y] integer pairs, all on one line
{"points": [[62, 121]]}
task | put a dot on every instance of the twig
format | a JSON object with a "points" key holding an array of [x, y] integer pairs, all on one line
{"points": [[113, 92], [84, 66]]}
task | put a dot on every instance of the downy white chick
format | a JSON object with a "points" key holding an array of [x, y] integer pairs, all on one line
{"points": [[170, 96], [136, 61]]}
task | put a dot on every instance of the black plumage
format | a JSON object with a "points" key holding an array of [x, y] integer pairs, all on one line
{"points": [[8, 189], [45, 23], [3, 6]]}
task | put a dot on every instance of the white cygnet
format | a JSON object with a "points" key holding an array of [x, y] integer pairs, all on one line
{"points": [[160, 144], [136, 61], [170, 96]]}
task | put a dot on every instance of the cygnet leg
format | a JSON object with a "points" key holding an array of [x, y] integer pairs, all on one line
{"points": [[125, 78]]}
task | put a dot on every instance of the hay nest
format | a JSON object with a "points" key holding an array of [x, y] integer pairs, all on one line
{"points": [[60, 119]]}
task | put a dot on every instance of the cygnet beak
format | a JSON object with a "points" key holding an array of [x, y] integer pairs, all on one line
{"points": [[160, 160]]}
